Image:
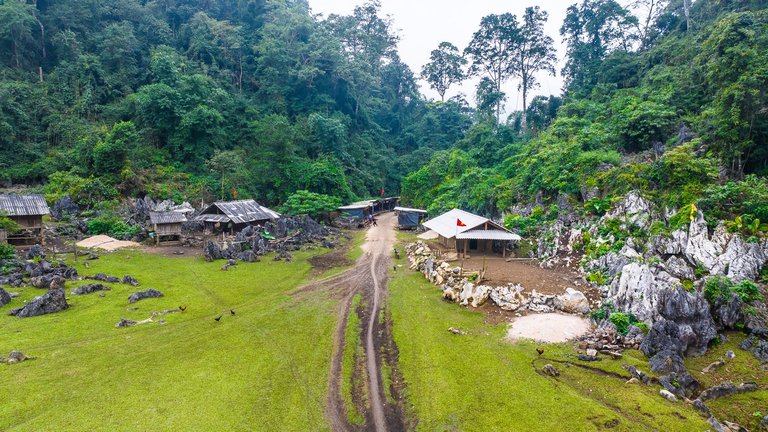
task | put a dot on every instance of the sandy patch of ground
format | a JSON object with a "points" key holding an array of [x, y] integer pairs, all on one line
{"points": [[548, 327], [106, 243]]}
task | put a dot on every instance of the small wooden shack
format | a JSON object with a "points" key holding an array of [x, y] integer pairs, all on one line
{"points": [[409, 218], [358, 210], [27, 211], [167, 226], [465, 232], [233, 216], [382, 205]]}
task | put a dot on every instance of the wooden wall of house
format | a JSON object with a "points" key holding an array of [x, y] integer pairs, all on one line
{"points": [[168, 229], [3, 236], [28, 221]]}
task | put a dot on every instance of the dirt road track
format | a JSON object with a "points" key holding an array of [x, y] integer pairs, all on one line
{"points": [[369, 278]]}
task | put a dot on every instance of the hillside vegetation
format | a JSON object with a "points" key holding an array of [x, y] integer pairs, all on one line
{"points": [[196, 99], [677, 113]]}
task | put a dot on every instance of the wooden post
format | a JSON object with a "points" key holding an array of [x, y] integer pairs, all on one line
{"points": [[504, 249], [466, 242], [157, 237]]}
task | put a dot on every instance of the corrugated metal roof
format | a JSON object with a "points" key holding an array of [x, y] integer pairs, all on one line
{"points": [[243, 211], [167, 217], [212, 218], [410, 210], [446, 223], [492, 234], [358, 205], [23, 205]]}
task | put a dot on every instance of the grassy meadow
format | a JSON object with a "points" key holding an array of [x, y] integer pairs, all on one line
{"points": [[264, 368]]}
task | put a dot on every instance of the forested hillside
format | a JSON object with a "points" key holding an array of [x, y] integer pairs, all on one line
{"points": [[671, 104], [196, 99]]}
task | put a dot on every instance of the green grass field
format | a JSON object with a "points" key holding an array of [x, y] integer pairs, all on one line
{"points": [[479, 382], [265, 368]]}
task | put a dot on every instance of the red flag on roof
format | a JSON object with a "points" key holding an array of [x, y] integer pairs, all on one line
{"points": [[460, 223]]}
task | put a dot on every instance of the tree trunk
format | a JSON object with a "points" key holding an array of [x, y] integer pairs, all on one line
{"points": [[42, 36], [16, 53], [524, 119], [687, 10]]}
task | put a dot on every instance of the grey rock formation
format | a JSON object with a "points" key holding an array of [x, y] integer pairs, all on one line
{"points": [[5, 298], [53, 301], [636, 292], [679, 268], [129, 280], [727, 389], [757, 347], [633, 209], [64, 209], [35, 251], [572, 301], [140, 295], [700, 249], [728, 312], [692, 315], [672, 245], [741, 260], [104, 278], [90, 288]]}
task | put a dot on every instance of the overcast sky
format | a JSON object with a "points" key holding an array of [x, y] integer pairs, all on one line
{"points": [[423, 24]]}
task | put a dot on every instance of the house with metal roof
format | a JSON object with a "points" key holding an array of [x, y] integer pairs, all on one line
{"points": [[232, 216], [27, 211], [167, 225], [467, 232], [409, 218], [358, 210]]}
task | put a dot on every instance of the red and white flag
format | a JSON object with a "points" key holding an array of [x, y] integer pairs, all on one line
{"points": [[460, 223]]}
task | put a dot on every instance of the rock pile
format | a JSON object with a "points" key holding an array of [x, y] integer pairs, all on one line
{"points": [[282, 236], [459, 289], [42, 274], [5, 298], [140, 295], [90, 288], [52, 301], [606, 339]]}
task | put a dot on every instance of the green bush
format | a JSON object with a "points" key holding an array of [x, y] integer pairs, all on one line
{"points": [[7, 251], [718, 287], [622, 321], [598, 206], [748, 291], [112, 226], [310, 203]]}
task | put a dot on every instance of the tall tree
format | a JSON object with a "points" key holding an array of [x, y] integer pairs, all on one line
{"points": [[16, 21], [533, 52], [491, 51], [444, 68], [592, 30]]}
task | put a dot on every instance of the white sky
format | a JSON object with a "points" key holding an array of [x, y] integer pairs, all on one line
{"points": [[423, 24]]}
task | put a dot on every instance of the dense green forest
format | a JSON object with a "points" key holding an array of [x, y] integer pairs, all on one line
{"points": [[670, 103], [198, 99], [195, 99]]}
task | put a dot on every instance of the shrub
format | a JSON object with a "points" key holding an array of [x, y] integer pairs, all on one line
{"points": [[622, 321], [643, 326], [7, 251], [717, 287], [598, 206], [748, 291], [113, 226], [313, 204], [597, 278]]}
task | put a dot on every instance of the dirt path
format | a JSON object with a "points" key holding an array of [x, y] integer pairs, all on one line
{"points": [[378, 244], [369, 278]]}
